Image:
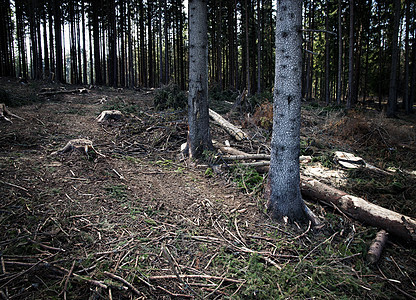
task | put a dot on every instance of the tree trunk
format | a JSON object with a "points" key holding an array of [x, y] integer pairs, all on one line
{"points": [[285, 197], [339, 82], [58, 43], [258, 47], [361, 210], [199, 137], [406, 97], [392, 102], [247, 49], [96, 37], [350, 99], [327, 41], [150, 45]]}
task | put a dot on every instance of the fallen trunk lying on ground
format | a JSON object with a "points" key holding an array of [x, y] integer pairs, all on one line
{"points": [[237, 133], [397, 224], [361, 210]]}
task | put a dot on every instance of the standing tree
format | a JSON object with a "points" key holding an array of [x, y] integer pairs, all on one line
{"points": [[199, 138], [285, 197], [392, 102]]}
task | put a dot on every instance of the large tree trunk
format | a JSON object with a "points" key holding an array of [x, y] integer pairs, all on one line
{"points": [[199, 138], [361, 210], [285, 197]]}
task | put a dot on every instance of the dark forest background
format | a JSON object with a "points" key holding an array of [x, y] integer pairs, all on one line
{"points": [[353, 50]]}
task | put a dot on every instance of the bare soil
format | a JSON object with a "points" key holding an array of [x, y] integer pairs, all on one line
{"points": [[140, 223]]}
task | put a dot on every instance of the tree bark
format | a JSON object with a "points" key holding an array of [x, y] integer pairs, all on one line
{"points": [[199, 137], [285, 197]]}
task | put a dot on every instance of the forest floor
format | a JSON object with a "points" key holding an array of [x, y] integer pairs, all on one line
{"points": [[140, 223]]}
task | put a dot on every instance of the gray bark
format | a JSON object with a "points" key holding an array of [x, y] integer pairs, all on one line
{"points": [[339, 54], [285, 197], [199, 138]]}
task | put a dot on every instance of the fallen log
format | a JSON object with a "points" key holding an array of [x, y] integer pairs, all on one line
{"points": [[397, 224], [237, 133], [76, 91], [377, 246], [226, 149]]}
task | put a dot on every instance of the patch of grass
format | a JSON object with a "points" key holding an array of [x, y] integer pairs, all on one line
{"points": [[117, 191], [247, 178]]}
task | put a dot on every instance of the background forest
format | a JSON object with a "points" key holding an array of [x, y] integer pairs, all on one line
{"points": [[353, 50]]}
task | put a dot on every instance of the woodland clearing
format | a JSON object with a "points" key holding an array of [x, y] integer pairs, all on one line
{"points": [[140, 223]]}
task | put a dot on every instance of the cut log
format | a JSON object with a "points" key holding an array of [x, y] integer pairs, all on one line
{"points": [[107, 115], [377, 246], [246, 157], [5, 114], [228, 150], [397, 224], [76, 91], [237, 133], [82, 145]]}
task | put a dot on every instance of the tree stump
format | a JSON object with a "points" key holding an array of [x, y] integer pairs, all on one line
{"points": [[82, 145], [5, 114], [108, 115]]}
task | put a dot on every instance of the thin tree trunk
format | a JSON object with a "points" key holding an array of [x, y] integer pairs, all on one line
{"points": [[327, 41], [247, 50], [392, 102], [339, 82], [150, 49], [406, 98], [350, 100], [258, 47]]}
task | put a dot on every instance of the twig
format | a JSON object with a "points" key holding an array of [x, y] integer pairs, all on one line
{"points": [[210, 260], [170, 259], [26, 271], [173, 294], [310, 252], [118, 174], [193, 276], [67, 278], [125, 282], [396, 287], [14, 185]]}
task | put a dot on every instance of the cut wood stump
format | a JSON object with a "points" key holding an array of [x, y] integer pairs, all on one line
{"points": [[5, 114], [237, 133], [82, 145], [377, 246], [108, 115], [350, 161]]}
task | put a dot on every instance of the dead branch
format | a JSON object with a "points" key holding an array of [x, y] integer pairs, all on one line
{"points": [[377, 246], [195, 276], [125, 282], [244, 157]]}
